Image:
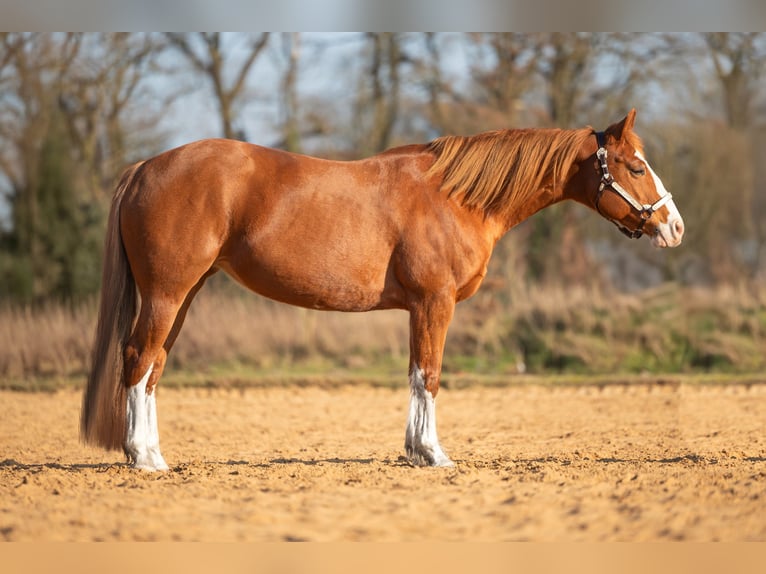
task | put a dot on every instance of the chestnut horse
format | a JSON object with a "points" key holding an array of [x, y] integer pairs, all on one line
{"points": [[412, 228]]}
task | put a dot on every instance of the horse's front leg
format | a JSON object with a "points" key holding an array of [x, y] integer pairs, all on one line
{"points": [[429, 320]]}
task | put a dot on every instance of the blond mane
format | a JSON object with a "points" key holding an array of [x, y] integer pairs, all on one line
{"points": [[496, 171]]}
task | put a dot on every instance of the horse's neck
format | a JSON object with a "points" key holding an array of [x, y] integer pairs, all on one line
{"points": [[577, 185], [542, 198]]}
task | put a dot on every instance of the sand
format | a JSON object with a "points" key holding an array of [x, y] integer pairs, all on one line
{"points": [[585, 463]]}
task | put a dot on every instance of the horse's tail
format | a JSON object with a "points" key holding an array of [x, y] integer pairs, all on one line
{"points": [[104, 402]]}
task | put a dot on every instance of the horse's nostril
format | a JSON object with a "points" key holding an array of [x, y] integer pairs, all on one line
{"points": [[678, 227]]}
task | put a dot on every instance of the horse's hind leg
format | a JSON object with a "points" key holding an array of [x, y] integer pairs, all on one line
{"points": [[144, 360], [181, 315], [143, 428]]}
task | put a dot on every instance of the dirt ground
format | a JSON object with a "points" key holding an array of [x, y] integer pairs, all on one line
{"points": [[629, 463]]}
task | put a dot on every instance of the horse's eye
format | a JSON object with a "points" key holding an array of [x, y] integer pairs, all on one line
{"points": [[637, 171]]}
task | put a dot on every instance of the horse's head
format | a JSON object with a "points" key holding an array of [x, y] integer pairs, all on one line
{"points": [[629, 193]]}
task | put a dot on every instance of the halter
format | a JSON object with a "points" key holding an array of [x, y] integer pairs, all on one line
{"points": [[607, 181]]}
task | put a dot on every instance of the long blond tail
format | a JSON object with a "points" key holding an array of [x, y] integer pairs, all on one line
{"points": [[102, 420]]}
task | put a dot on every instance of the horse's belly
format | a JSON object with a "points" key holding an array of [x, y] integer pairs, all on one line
{"points": [[317, 282]]}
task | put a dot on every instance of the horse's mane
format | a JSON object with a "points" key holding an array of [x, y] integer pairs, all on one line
{"points": [[495, 171]]}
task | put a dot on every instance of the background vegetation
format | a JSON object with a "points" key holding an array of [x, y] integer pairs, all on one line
{"points": [[565, 293]]}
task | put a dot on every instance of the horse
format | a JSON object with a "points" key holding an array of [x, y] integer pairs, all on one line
{"points": [[410, 228]]}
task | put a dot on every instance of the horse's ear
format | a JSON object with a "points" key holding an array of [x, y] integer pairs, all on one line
{"points": [[626, 125]]}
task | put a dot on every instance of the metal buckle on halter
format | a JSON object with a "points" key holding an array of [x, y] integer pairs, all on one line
{"points": [[606, 177], [645, 211]]}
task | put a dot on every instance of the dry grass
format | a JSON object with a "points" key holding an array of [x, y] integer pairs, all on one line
{"points": [[52, 340], [575, 330], [252, 330]]}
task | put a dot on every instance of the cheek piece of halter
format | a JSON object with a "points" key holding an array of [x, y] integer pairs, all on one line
{"points": [[607, 182]]}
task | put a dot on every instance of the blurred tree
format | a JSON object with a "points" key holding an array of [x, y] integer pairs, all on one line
{"points": [[35, 64], [503, 69], [53, 250], [69, 223], [376, 108], [489, 93], [564, 62], [291, 44], [429, 68], [207, 55], [62, 145], [738, 59], [99, 100]]}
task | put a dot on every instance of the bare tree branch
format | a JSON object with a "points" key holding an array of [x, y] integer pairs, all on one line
{"points": [[212, 64]]}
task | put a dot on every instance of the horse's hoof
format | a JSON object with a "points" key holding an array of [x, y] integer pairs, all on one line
{"points": [[426, 457], [444, 463]]}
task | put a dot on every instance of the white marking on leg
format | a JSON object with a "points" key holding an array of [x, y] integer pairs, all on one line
{"points": [[421, 442], [136, 439], [153, 433], [142, 439]]}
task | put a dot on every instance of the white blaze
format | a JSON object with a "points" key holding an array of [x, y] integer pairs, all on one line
{"points": [[668, 235]]}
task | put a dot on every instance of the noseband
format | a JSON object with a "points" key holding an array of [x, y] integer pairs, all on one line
{"points": [[607, 181]]}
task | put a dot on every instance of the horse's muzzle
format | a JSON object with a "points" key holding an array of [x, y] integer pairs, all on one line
{"points": [[669, 234]]}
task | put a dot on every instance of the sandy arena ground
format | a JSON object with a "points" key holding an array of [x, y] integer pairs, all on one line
{"points": [[631, 463]]}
